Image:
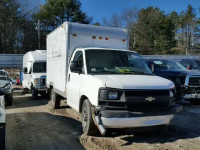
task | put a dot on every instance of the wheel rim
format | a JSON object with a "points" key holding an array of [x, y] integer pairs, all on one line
{"points": [[84, 117]]}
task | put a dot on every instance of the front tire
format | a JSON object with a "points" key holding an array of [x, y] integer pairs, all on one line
{"points": [[2, 137], [34, 93], [89, 128], [55, 102]]}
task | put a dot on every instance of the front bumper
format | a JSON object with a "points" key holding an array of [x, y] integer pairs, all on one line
{"points": [[136, 121], [41, 88], [191, 96], [131, 119]]}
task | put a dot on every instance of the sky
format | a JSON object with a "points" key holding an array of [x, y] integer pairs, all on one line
{"points": [[98, 9]]}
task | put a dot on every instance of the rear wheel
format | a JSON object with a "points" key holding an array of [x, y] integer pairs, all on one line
{"points": [[89, 128], [2, 137], [55, 102]]}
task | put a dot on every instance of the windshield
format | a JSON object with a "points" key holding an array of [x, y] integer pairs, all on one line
{"points": [[167, 65], [3, 76], [39, 67], [115, 62]]}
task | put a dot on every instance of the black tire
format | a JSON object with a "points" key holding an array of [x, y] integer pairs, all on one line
{"points": [[24, 90], [43, 94], [162, 129], [9, 100], [55, 102], [195, 102], [2, 137], [34, 93], [88, 126]]}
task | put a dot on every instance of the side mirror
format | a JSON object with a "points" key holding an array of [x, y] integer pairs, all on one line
{"points": [[25, 70], [74, 67]]}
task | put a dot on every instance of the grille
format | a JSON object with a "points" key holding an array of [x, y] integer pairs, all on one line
{"points": [[138, 99], [146, 93], [194, 81]]}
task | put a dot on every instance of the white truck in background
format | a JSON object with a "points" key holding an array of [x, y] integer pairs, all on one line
{"points": [[34, 73], [112, 87]]}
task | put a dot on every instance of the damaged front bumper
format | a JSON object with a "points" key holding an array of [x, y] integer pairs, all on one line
{"points": [[130, 119]]}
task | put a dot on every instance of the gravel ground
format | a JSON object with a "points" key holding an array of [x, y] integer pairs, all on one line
{"points": [[32, 124]]}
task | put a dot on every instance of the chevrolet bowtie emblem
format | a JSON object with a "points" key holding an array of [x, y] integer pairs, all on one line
{"points": [[150, 99]]}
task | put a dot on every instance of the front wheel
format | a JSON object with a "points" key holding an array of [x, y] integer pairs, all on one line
{"points": [[2, 137], [34, 93], [89, 128], [55, 102]]}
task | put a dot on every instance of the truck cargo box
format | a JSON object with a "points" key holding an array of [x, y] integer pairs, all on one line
{"points": [[65, 39]]}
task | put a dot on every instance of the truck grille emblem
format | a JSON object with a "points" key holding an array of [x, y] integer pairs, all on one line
{"points": [[150, 99]]}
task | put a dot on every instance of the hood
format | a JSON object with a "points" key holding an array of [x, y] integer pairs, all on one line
{"points": [[178, 72], [38, 75], [135, 81], [3, 83]]}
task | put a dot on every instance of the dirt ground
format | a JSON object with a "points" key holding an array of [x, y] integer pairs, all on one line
{"points": [[32, 124]]}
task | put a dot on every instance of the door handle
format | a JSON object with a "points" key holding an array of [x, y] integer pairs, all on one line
{"points": [[69, 78]]}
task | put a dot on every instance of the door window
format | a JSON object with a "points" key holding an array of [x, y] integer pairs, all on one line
{"points": [[79, 58]]}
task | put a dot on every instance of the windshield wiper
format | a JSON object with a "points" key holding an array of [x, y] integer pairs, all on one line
{"points": [[137, 72], [104, 71]]}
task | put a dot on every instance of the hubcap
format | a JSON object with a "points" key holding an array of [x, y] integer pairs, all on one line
{"points": [[85, 118]]}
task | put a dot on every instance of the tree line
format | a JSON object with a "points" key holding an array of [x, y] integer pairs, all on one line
{"points": [[152, 31]]}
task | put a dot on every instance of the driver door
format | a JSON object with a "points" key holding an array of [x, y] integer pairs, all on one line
{"points": [[74, 80]]}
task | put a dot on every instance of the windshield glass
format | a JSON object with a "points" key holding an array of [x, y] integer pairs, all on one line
{"points": [[39, 67], [115, 62], [167, 65], [3, 76]]}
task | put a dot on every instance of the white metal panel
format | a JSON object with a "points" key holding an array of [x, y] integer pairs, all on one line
{"points": [[62, 42], [56, 58]]}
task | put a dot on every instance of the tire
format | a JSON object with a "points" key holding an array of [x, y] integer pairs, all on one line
{"points": [[55, 102], [24, 90], [162, 129], [43, 94], [195, 102], [34, 93], [9, 100], [88, 126], [2, 137]]}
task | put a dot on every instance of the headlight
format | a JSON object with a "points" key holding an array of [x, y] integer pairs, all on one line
{"points": [[171, 94], [37, 80], [112, 95]]}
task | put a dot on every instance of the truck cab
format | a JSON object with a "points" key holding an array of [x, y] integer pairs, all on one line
{"points": [[111, 86], [34, 73]]}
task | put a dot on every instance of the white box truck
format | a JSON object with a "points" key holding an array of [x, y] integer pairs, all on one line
{"points": [[109, 85], [34, 73]]}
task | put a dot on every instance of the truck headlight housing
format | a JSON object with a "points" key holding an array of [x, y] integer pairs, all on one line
{"points": [[113, 95], [110, 94]]}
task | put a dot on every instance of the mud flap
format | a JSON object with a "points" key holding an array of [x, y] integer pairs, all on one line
{"points": [[97, 121]]}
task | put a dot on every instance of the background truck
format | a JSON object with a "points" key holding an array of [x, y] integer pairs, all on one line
{"points": [[34, 73], [109, 85]]}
